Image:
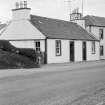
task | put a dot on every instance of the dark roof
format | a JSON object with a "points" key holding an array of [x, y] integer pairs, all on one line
{"points": [[2, 26], [94, 21], [60, 29]]}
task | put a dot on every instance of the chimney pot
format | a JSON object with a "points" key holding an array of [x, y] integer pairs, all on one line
{"points": [[17, 5], [21, 4], [25, 4]]}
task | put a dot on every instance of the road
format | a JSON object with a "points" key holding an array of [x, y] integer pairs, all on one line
{"points": [[62, 84]]}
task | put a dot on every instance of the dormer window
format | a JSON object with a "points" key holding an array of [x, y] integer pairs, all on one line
{"points": [[101, 34]]}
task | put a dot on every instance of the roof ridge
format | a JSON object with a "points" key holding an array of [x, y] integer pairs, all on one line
{"points": [[53, 19]]}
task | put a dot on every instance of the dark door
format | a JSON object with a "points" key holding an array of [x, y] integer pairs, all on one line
{"points": [[84, 50], [72, 51]]}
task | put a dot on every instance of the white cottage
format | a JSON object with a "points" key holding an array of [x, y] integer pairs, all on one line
{"points": [[61, 41]]}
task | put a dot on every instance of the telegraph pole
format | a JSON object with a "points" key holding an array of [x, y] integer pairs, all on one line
{"points": [[69, 3], [82, 7]]}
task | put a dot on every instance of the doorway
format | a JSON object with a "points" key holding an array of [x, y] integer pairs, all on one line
{"points": [[72, 51], [84, 51]]}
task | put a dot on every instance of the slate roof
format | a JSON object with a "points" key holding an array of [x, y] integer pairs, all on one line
{"points": [[60, 29], [2, 26], [94, 21]]}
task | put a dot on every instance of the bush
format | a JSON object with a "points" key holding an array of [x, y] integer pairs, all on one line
{"points": [[6, 46], [11, 56], [12, 60]]}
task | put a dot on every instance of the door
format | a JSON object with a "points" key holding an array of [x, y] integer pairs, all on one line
{"points": [[84, 51], [72, 51]]}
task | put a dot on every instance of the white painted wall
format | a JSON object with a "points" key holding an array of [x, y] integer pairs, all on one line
{"points": [[80, 22], [28, 44], [65, 57], [78, 51], [90, 56], [51, 52], [95, 31], [20, 30]]}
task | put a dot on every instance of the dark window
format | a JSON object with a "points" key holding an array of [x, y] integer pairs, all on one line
{"points": [[101, 50], [101, 34], [37, 46], [93, 47], [58, 47]]}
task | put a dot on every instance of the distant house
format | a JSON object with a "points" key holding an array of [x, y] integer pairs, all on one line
{"points": [[96, 25], [61, 41]]}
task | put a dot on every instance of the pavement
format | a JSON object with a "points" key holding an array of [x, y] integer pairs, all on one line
{"points": [[48, 68]]}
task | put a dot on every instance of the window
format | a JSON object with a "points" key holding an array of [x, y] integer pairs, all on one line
{"points": [[93, 47], [58, 47], [37, 46], [101, 50], [101, 33]]}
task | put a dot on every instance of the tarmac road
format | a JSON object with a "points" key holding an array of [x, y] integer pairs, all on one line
{"points": [[60, 84]]}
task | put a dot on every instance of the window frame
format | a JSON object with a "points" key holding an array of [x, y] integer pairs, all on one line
{"points": [[37, 46], [93, 47], [58, 47]]}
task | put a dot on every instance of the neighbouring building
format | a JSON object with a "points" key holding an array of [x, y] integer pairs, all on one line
{"points": [[61, 41], [96, 25]]}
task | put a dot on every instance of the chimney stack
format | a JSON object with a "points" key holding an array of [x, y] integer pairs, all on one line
{"points": [[21, 11]]}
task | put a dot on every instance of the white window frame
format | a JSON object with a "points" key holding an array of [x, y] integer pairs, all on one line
{"points": [[37, 46]]}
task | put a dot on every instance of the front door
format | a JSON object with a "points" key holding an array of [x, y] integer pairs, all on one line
{"points": [[84, 51], [72, 51]]}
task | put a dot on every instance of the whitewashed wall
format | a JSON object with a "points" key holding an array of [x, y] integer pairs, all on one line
{"points": [[28, 44], [51, 52], [95, 31], [78, 51], [21, 30], [90, 56]]}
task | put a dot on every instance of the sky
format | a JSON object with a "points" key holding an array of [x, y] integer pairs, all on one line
{"points": [[59, 9]]}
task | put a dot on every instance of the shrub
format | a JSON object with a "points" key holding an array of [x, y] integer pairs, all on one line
{"points": [[12, 60]]}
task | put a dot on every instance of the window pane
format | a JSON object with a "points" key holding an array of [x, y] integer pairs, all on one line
{"points": [[37, 46], [58, 47]]}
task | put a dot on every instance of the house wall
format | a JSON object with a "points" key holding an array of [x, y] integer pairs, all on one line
{"points": [[51, 51], [28, 44], [95, 31], [65, 57], [78, 51], [90, 56], [21, 30]]}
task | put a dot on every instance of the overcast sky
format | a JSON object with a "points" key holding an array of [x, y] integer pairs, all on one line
{"points": [[54, 8]]}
